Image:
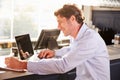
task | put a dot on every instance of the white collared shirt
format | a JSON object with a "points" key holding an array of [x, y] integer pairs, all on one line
{"points": [[87, 53]]}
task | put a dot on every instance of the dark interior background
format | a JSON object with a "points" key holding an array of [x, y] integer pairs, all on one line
{"points": [[108, 22]]}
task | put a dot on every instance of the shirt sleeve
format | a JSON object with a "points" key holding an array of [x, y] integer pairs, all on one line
{"points": [[62, 51]]}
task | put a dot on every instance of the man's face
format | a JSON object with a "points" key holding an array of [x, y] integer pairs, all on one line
{"points": [[64, 25]]}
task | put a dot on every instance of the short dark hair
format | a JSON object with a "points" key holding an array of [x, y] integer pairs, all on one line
{"points": [[68, 10]]}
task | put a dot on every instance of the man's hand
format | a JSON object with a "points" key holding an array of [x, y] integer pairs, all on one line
{"points": [[15, 63], [25, 55], [46, 54]]}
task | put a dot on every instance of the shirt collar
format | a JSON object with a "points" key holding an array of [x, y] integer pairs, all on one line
{"points": [[81, 31]]}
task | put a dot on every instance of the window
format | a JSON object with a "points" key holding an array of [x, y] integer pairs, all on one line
{"points": [[5, 19], [27, 16]]}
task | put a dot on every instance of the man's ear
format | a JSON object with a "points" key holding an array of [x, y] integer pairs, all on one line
{"points": [[72, 18]]}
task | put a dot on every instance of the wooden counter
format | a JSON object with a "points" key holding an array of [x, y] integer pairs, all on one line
{"points": [[114, 51], [12, 74]]}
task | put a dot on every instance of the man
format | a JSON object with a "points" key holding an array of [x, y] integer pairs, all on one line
{"points": [[87, 51]]}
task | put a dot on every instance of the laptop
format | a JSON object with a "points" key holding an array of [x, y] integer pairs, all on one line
{"points": [[24, 43]]}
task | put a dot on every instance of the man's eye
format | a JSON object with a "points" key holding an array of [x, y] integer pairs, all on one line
{"points": [[59, 23]]}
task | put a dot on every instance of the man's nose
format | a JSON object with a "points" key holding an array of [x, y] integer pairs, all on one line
{"points": [[59, 27]]}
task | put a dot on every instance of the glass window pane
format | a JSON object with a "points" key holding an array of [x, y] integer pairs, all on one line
{"points": [[5, 28], [24, 23], [5, 19]]}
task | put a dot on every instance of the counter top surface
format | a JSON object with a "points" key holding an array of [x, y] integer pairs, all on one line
{"points": [[114, 51]]}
